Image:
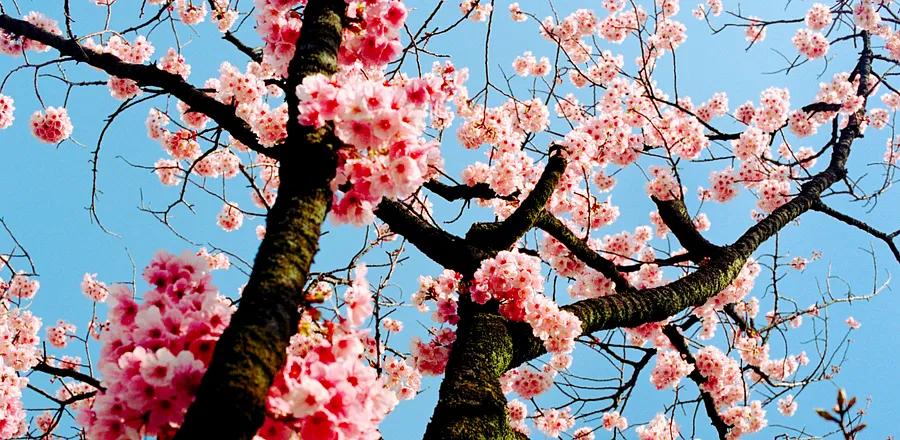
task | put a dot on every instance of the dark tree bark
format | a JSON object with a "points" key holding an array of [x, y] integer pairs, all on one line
{"points": [[231, 401]]}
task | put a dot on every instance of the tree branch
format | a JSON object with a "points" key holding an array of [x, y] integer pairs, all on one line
{"points": [[678, 341], [145, 75], [553, 226], [464, 192], [43, 367], [675, 215], [499, 236], [630, 309], [844, 218], [446, 249]]}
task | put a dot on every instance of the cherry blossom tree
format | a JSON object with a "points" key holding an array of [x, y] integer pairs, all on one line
{"points": [[338, 112]]}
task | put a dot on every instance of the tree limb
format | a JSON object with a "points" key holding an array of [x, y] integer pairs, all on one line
{"points": [[498, 236], [144, 75], [231, 399], [844, 218]]}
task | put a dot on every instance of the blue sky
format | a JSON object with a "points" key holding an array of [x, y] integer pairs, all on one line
{"points": [[48, 189]]}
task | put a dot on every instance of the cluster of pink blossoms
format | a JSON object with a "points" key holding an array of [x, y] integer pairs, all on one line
{"points": [[613, 420], [660, 428], [93, 289], [230, 218], [12, 413], [516, 411], [18, 351], [809, 43], [552, 422], [670, 368], [325, 390], [155, 353], [7, 108], [382, 123], [515, 280], [430, 358], [59, 335], [527, 382], [15, 45], [51, 126]]}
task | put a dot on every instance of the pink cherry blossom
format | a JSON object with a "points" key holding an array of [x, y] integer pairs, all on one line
{"points": [[230, 218], [660, 428], [6, 111], [93, 289], [613, 420], [818, 17], [787, 406], [52, 125]]}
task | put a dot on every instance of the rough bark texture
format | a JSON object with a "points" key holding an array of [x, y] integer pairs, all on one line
{"points": [[499, 236], [231, 403], [675, 215], [471, 404]]}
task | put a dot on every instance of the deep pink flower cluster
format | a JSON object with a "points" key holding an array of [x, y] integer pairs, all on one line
{"points": [[430, 358], [325, 391], [382, 124], [443, 292], [515, 280], [51, 126], [155, 353], [373, 39]]}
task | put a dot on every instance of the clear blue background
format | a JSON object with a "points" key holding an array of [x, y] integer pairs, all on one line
{"points": [[47, 190]]}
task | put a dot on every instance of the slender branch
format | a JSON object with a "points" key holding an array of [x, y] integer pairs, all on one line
{"points": [[63, 372], [444, 248], [680, 345], [464, 192], [144, 75], [499, 236], [553, 226], [844, 218]]}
